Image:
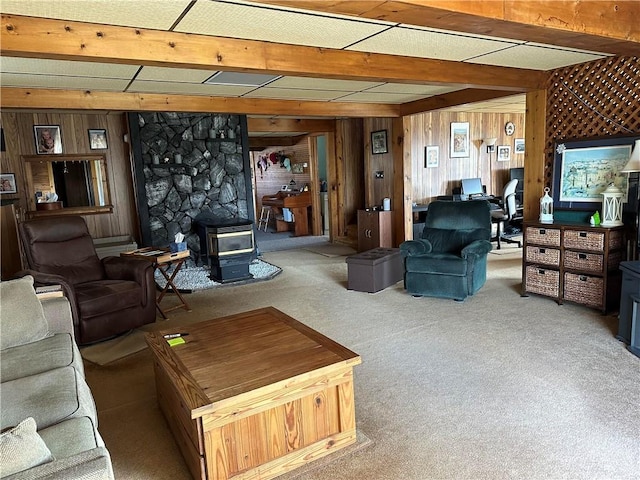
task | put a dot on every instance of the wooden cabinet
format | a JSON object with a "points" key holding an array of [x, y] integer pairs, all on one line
{"points": [[374, 229], [573, 262]]}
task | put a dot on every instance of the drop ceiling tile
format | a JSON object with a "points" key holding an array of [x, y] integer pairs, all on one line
{"points": [[428, 44], [188, 88], [411, 88], [259, 23], [162, 74], [294, 94], [323, 84], [38, 66], [242, 78], [536, 58], [73, 83], [157, 14], [368, 97]]}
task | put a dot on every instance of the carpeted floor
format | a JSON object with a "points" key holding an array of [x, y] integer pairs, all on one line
{"points": [[496, 387]]}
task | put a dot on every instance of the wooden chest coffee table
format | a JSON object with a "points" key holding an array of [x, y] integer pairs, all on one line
{"points": [[254, 395]]}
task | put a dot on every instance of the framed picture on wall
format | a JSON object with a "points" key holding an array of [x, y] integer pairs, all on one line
{"points": [[459, 139], [504, 153], [98, 139], [379, 142], [8, 183], [431, 156], [48, 139]]}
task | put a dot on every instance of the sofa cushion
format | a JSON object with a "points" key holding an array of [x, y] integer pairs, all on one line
{"points": [[71, 437], [452, 241], [48, 397], [437, 264], [37, 357], [22, 448], [106, 296], [21, 315]]}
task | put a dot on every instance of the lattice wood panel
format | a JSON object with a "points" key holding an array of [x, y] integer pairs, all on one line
{"points": [[595, 99]]}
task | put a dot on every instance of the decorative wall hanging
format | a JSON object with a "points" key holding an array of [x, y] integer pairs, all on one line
{"points": [[459, 139], [518, 145], [98, 139], [431, 156], [379, 142], [48, 139], [583, 169], [8, 183], [504, 153]]}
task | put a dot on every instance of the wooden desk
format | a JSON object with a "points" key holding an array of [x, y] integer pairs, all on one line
{"points": [[298, 203], [254, 395], [162, 259]]}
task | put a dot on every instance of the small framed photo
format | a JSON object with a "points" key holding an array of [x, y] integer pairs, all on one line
{"points": [[98, 139], [379, 142], [518, 145], [460, 140], [48, 139], [504, 153], [8, 183], [431, 156]]}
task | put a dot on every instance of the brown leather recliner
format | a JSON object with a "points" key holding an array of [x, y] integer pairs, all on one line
{"points": [[108, 296]]}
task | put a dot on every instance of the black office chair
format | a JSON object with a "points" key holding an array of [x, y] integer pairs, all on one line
{"points": [[508, 222]]}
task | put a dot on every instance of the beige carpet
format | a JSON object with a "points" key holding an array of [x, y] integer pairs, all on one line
{"points": [[496, 387]]}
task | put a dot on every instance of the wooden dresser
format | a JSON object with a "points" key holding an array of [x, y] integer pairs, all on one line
{"points": [[374, 229], [573, 262]]}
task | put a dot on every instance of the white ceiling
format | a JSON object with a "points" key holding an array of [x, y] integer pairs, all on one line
{"points": [[247, 20]]}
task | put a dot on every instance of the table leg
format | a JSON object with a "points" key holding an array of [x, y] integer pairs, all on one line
{"points": [[171, 285]]}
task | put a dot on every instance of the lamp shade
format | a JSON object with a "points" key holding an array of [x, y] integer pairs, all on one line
{"points": [[490, 141], [633, 165]]}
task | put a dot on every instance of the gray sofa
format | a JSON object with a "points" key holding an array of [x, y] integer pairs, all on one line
{"points": [[48, 416]]}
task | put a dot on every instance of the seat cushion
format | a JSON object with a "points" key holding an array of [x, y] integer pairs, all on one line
{"points": [[48, 397], [107, 296], [22, 318], [71, 437], [437, 264], [37, 357]]}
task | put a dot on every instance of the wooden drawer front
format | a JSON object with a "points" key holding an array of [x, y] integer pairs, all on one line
{"points": [[584, 289], [543, 236], [542, 281], [589, 262], [546, 256], [584, 240]]}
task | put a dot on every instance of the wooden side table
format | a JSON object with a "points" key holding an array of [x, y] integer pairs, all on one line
{"points": [[163, 259]]}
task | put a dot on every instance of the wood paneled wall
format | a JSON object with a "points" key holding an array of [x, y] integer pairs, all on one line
{"points": [[434, 128], [19, 137], [348, 182]]}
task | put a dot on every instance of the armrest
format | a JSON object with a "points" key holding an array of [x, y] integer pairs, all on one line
{"points": [[477, 248], [415, 247], [94, 463], [57, 311], [40, 279], [133, 269]]}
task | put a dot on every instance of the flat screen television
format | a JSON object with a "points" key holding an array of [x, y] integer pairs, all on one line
{"points": [[472, 186]]}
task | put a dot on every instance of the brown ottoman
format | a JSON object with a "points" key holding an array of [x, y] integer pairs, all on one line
{"points": [[374, 270]]}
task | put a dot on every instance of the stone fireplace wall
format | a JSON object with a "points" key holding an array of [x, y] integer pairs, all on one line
{"points": [[187, 165]]}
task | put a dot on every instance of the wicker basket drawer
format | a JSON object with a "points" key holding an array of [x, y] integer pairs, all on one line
{"points": [[546, 256], [542, 281], [589, 262], [543, 236], [584, 289], [584, 240]]}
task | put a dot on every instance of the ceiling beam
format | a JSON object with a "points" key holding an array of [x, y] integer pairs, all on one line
{"points": [[596, 25], [290, 125], [260, 143], [45, 99], [63, 40], [446, 100]]}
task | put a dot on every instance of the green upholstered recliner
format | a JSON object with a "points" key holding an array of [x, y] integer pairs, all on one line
{"points": [[449, 260]]}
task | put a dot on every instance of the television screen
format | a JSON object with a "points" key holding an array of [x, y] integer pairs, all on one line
{"points": [[472, 186]]}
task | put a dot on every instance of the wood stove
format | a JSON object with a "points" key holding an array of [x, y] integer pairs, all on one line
{"points": [[227, 246]]}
